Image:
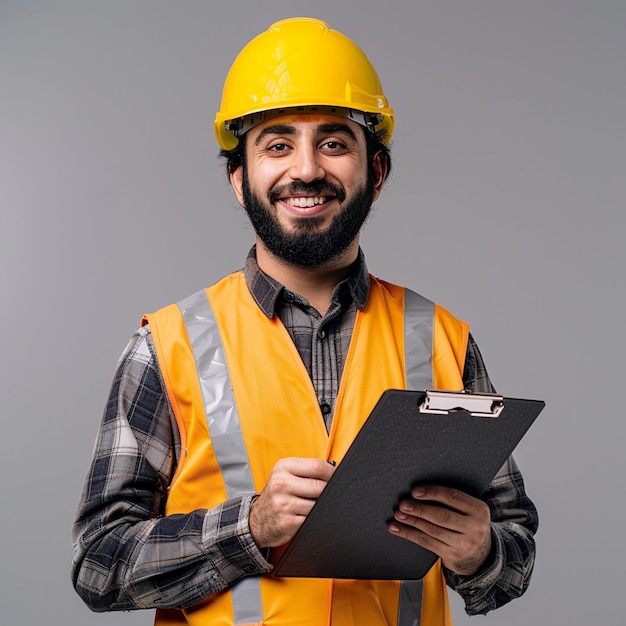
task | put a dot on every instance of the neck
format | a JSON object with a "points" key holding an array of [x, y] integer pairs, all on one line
{"points": [[316, 284]]}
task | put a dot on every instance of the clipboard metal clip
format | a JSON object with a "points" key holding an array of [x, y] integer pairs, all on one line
{"points": [[476, 404]]}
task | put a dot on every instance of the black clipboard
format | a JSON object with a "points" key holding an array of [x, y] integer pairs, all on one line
{"points": [[411, 437]]}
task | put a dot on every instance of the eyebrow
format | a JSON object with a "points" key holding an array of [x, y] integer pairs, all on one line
{"points": [[286, 129]]}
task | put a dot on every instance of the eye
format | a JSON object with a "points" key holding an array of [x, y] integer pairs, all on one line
{"points": [[334, 146], [278, 147]]}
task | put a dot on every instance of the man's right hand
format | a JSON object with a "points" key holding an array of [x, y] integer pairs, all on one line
{"points": [[290, 493]]}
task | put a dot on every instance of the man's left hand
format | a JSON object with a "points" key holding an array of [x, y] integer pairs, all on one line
{"points": [[448, 522]]}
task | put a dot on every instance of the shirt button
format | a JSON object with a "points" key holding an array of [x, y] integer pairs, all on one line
{"points": [[325, 408], [321, 334]]}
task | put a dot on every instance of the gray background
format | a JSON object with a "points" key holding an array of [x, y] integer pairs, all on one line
{"points": [[505, 205]]}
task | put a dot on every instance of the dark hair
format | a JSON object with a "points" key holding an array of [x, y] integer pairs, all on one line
{"points": [[236, 157], [374, 143]]}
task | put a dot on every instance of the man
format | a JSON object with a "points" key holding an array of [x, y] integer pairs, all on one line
{"points": [[226, 407]]}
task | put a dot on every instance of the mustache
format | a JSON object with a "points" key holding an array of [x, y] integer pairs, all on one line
{"points": [[315, 188]]}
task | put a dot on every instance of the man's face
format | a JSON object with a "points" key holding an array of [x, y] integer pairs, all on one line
{"points": [[306, 186]]}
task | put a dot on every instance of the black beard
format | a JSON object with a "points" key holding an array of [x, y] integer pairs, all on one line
{"points": [[306, 247]]}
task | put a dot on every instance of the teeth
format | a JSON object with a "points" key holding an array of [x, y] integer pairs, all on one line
{"points": [[302, 203]]}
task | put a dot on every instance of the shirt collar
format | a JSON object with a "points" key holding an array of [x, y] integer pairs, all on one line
{"points": [[265, 290]]}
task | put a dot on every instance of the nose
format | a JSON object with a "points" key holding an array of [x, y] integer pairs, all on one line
{"points": [[306, 164]]}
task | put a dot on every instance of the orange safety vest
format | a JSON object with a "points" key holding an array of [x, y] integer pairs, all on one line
{"points": [[243, 399]]}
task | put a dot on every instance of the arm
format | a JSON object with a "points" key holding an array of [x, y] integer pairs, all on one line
{"points": [[505, 574], [486, 545], [126, 553]]}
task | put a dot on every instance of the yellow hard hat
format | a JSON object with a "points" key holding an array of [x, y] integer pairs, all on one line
{"points": [[302, 64]]}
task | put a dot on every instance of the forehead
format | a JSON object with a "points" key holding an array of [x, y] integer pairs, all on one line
{"points": [[307, 125]]}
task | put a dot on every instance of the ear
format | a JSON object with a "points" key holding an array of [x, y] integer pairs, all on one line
{"points": [[236, 180], [379, 166]]}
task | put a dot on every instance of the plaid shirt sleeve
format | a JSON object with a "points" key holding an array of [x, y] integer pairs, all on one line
{"points": [[126, 553], [514, 521]]}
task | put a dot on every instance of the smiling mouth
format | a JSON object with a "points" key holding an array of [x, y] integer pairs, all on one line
{"points": [[301, 195], [302, 202]]}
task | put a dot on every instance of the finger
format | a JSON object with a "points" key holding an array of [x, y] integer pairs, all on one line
{"points": [[456, 552], [307, 488], [436, 524], [451, 497], [299, 477], [307, 467], [426, 515], [419, 537]]}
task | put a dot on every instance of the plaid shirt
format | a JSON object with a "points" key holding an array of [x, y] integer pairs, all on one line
{"points": [[128, 555]]}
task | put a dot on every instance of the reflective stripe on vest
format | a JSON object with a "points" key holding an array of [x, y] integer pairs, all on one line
{"points": [[418, 348], [419, 314], [227, 437], [225, 429]]}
